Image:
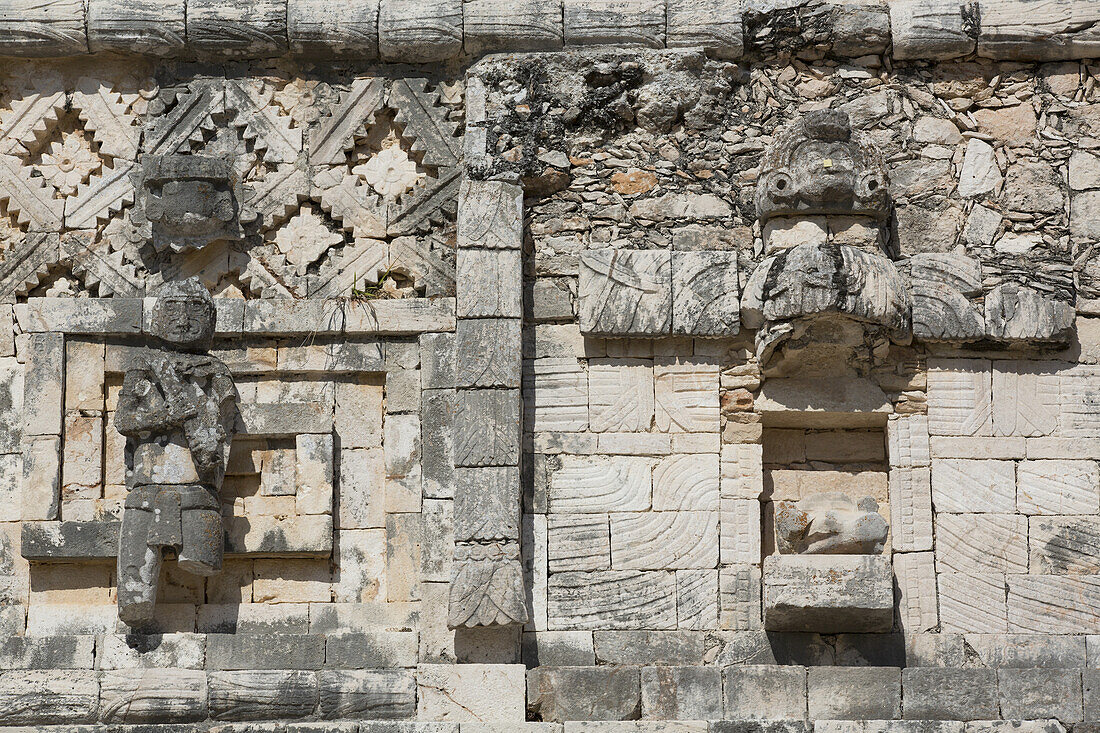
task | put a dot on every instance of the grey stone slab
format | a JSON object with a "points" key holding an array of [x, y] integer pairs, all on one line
{"points": [[47, 652], [284, 419], [487, 504], [437, 459], [854, 693], [939, 29], [368, 694], [511, 25], [488, 353], [705, 294], [332, 28], [681, 693], [557, 694], [490, 213], [153, 27], [1027, 651], [949, 694], [630, 23], [649, 647], [414, 31], [612, 599], [152, 696], [43, 384], [98, 316], [224, 28], [625, 292], [490, 283], [1029, 694], [558, 649], [141, 651], [761, 726], [45, 541], [53, 697], [1090, 686], [262, 694], [761, 692], [35, 28], [487, 427], [713, 24], [828, 593], [372, 650], [265, 651], [437, 367]]}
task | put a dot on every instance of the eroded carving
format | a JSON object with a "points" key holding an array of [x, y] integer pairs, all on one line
{"points": [[830, 524], [190, 200]]}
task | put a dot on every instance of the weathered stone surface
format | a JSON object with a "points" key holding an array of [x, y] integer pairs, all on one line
{"points": [[491, 283], [1027, 398], [614, 599], [1015, 312], [557, 395], [487, 504], [1058, 487], [487, 428], [911, 509], [48, 697], [949, 694], [219, 27], [634, 23], [740, 535], [267, 651], [54, 28], [809, 403], [626, 292], [1063, 545], [830, 524], [584, 693], [487, 585], [739, 598], [370, 694], [1053, 604], [686, 482], [578, 542], [765, 692], [50, 652], [681, 693], [705, 294], [504, 25], [1020, 31], [942, 285], [854, 693], [960, 397], [972, 602], [828, 593], [938, 30], [262, 694], [601, 485], [981, 543], [154, 27], [43, 384], [714, 25], [1029, 694], [973, 486], [620, 394], [915, 573], [419, 32], [487, 353], [470, 692], [41, 486], [664, 540], [685, 395], [313, 29], [152, 696]]}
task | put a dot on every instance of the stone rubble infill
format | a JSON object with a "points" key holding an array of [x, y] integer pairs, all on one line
{"points": [[422, 31]]}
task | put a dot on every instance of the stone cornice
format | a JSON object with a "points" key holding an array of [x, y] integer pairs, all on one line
{"points": [[423, 31]]}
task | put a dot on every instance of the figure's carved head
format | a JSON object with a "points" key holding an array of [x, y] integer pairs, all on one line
{"points": [[190, 200], [818, 165], [184, 315]]}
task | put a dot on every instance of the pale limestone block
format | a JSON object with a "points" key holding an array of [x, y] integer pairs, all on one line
{"points": [[224, 28], [494, 693], [828, 593], [696, 443], [362, 489], [490, 283], [980, 174], [809, 403], [963, 486], [612, 599], [437, 365], [313, 474], [438, 517], [742, 471], [68, 618], [287, 533], [41, 477], [262, 693], [918, 610], [11, 477], [960, 393], [1025, 31], [634, 444], [601, 484], [508, 25], [615, 22], [911, 509], [535, 551], [739, 541], [980, 543], [697, 599], [490, 213], [49, 697], [333, 28], [560, 340], [414, 31], [1054, 604], [84, 381], [487, 353], [1077, 418], [401, 444], [359, 412], [686, 482], [620, 394], [580, 444], [1058, 487], [713, 24], [487, 504], [180, 651], [11, 405], [152, 695], [557, 395], [1070, 448], [664, 540], [403, 390], [705, 293], [978, 447], [487, 427], [82, 458], [43, 384], [404, 553], [367, 693], [1025, 398], [932, 29], [907, 440], [686, 395], [578, 542], [1064, 545], [292, 581], [39, 29], [114, 454], [277, 472], [625, 292], [740, 598], [972, 602]]}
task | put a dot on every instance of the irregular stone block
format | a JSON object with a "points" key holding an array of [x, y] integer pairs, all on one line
{"points": [[37, 29], [918, 608], [505, 25], [487, 428], [154, 27], [960, 400], [331, 28], [715, 25], [705, 294], [412, 31], [612, 599], [152, 696], [609, 22], [224, 28], [972, 602], [828, 593], [943, 284], [470, 692], [933, 30], [1053, 604], [487, 353], [681, 693], [929, 693], [266, 651], [973, 486], [490, 283], [854, 693], [262, 694], [601, 484], [969, 543], [48, 697], [1018, 313], [1012, 29], [765, 692], [625, 292], [583, 693], [369, 694], [1030, 694]]}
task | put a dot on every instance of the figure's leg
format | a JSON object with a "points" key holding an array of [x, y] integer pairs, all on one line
{"points": [[203, 541], [138, 569]]}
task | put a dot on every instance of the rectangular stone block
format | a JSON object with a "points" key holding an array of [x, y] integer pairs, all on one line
{"points": [[765, 692], [487, 427], [262, 694], [471, 692], [267, 651], [960, 397], [556, 391], [911, 509], [828, 593], [663, 648], [578, 542], [558, 649], [367, 694], [686, 395], [681, 693], [507, 25], [980, 448], [697, 599], [1028, 651], [854, 693], [687, 482], [41, 29], [742, 471], [608, 22], [714, 24], [966, 486], [490, 213], [612, 599], [664, 540], [82, 458], [1053, 604], [11, 406], [584, 693], [152, 696], [929, 693], [1064, 545], [740, 537], [491, 283], [372, 650], [362, 486], [620, 394], [1057, 487], [284, 420], [99, 316], [598, 484], [41, 488], [1013, 29], [411, 31], [624, 292], [43, 384], [980, 543], [705, 293], [48, 697], [48, 652], [840, 402], [739, 598], [1030, 694], [941, 29], [918, 608], [328, 28], [313, 474], [221, 28], [972, 602], [487, 353], [1025, 398], [908, 441], [181, 651]]}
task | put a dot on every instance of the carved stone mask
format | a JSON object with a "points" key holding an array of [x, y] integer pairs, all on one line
{"points": [[190, 200], [184, 315], [817, 165]]}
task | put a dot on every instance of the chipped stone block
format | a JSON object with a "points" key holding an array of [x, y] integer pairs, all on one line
{"points": [[1027, 398], [705, 293], [505, 25], [369, 694], [960, 485], [740, 598], [557, 394], [154, 27], [911, 509], [584, 693], [124, 651], [331, 28], [1057, 487], [1053, 604], [1021, 31], [48, 697], [1028, 651], [84, 383], [1064, 545], [828, 593], [487, 353], [620, 395], [603, 22], [471, 692], [1015, 312], [284, 420], [686, 482], [918, 610], [224, 28], [933, 30], [152, 696], [960, 397], [412, 31], [740, 538], [907, 440], [487, 427], [943, 284], [972, 602], [490, 283], [313, 474], [41, 477], [601, 484], [681, 693], [578, 542], [697, 599], [664, 540], [625, 292], [42, 29], [715, 25], [854, 693], [765, 692], [686, 395], [1030, 694], [43, 384], [980, 543], [612, 599], [949, 694]]}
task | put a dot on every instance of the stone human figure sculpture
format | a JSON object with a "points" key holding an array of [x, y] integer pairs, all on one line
{"points": [[830, 524], [177, 409]]}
